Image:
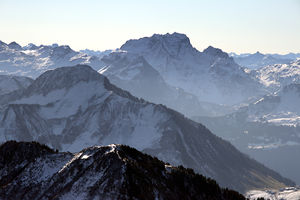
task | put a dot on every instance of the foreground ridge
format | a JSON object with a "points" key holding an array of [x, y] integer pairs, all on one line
{"points": [[29, 170]]}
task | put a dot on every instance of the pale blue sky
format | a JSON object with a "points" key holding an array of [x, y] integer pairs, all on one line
{"points": [[241, 26]]}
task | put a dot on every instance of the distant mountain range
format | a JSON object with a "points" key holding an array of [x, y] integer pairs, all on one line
{"points": [[259, 60], [32, 60], [99, 54], [71, 108]]}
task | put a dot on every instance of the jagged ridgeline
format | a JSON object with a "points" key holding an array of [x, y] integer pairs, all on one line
{"points": [[29, 170], [71, 108]]}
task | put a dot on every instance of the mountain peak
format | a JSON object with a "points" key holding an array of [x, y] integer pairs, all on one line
{"points": [[258, 54], [65, 77], [30, 46], [61, 50], [175, 35], [2, 43], [215, 52], [14, 45], [170, 44]]}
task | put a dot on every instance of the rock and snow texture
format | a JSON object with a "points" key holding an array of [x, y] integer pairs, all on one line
{"points": [[259, 60], [71, 108], [134, 74], [211, 75], [279, 75], [33, 60], [290, 193], [11, 83], [33, 171]]}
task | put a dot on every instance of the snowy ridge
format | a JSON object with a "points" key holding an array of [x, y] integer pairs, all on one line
{"points": [[279, 75], [259, 60], [99, 172], [53, 111], [133, 73]]}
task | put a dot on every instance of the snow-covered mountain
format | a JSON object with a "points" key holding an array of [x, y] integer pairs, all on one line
{"points": [[12, 83], [133, 73], [291, 56], [99, 54], [33, 60], [31, 170], [259, 60], [211, 75], [71, 108], [279, 75], [290, 193]]}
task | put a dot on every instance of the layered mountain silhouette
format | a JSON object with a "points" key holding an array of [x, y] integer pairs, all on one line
{"points": [[71, 108], [259, 60]]}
